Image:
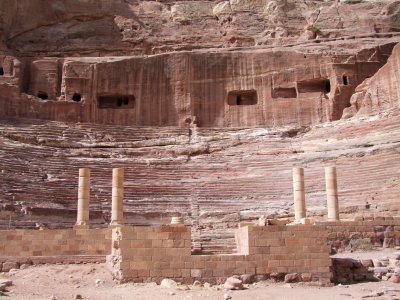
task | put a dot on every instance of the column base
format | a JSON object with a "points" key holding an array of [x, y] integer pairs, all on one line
{"points": [[333, 220], [83, 226], [114, 224], [304, 221]]}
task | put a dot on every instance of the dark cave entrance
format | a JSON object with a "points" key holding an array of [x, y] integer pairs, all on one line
{"points": [[42, 95]]}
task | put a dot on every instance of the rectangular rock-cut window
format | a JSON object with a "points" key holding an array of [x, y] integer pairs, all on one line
{"points": [[345, 80], [244, 97], [322, 85], [116, 101], [284, 93]]}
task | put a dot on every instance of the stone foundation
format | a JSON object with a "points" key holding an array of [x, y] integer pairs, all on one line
{"points": [[363, 235], [153, 253], [24, 243]]}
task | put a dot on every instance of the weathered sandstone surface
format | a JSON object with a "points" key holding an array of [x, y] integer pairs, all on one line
{"points": [[380, 92], [207, 105], [130, 27]]}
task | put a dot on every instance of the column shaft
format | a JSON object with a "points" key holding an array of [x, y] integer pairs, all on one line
{"points": [[117, 207], [83, 197], [332, 193], [299, 194]]}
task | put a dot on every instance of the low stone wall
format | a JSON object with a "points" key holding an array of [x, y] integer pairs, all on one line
{"points": [[24, 243], [349, 270], [363, 235], [153, 253]]}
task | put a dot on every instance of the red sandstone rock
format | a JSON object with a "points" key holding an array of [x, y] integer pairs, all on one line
{"points": [[172, 120], [380, 92], [292, 277], [395, 278], [7, 266], [94, 28], [232, 283], [247, 278]]}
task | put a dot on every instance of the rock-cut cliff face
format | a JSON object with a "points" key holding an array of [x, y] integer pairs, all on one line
{"points": [[272, 88], [380, 92], [131, 27], [206, 104]]}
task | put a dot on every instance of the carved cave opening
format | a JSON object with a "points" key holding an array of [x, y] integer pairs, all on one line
{"points": [[284, 93], [245, 97], [345, 80], [116, 101], [327, 86], [77, 97], [42, 95], [1, 71], [321, 85]]}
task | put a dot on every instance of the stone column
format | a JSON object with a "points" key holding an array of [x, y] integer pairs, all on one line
{"points": [[117, 207], [299, 194], [332, 193], [83, 197]]}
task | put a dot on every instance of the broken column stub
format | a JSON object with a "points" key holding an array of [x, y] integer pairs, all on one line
{"points": [[83, 197], [332, 193], [117, 206], [299, 194]]}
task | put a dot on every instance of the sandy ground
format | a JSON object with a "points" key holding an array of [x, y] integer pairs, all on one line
{"points": [[66, 281]]}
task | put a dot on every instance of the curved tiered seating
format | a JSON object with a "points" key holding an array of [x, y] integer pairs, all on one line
{"points": [[231, 174]]}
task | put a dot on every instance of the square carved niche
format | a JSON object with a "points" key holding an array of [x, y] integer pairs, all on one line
{"points": [[284, 92], [242, 97], [320, 85], [116, 101]]}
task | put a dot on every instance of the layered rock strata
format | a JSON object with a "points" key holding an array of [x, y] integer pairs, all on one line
{"points": [[130, 27], [206, 105]]}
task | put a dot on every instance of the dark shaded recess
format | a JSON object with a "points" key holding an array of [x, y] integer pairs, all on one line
{"points": [[345, 80], [116, 101], [77, 97], [321, 85], [246, 97], [284, 93], [42, 95], [1, 72]]}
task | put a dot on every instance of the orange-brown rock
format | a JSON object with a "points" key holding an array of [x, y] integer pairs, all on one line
{"points": [[206, 105], [379, 93], [130, 27], [270, 88]]}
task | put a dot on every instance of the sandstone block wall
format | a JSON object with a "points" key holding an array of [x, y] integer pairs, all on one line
{"points": [[364, 235], [139, 253], [286, 249], [153, 253], [55, 242]]}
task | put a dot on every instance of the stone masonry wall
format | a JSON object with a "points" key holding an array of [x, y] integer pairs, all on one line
{"points": [[287, 249], [153, 253], [363, 235], [55, 242]]}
